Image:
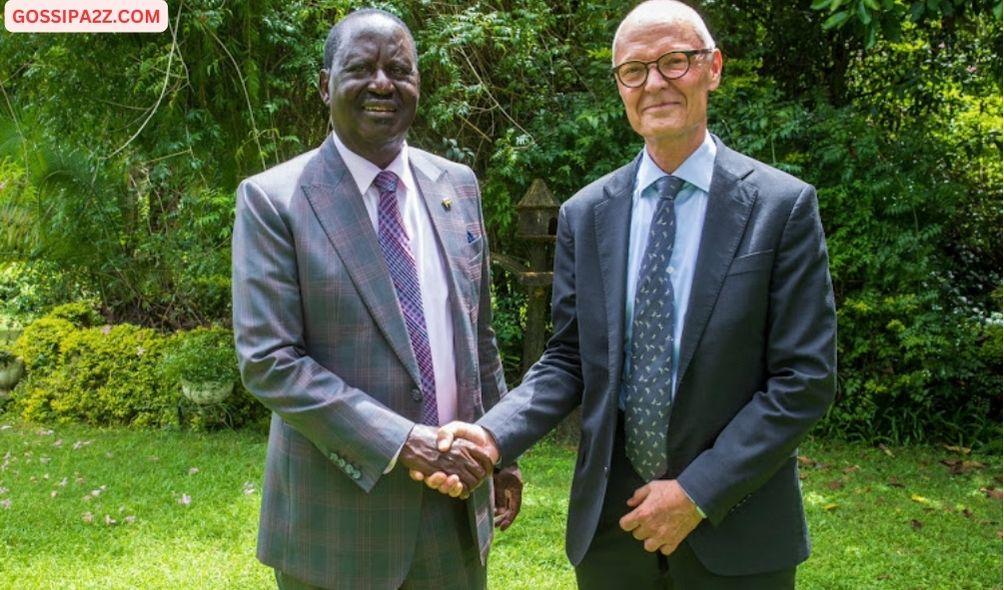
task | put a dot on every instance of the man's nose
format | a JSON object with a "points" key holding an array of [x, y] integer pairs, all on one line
{"points": [[655, 79], [380, 82]]}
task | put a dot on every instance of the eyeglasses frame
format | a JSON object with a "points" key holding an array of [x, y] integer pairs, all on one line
{"points": [[690, 53]]}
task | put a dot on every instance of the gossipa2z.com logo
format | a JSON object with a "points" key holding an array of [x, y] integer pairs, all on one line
{"points": [[85, 16]]}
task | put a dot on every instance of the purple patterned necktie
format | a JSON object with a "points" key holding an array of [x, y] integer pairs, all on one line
{"points": [[403, 272]]}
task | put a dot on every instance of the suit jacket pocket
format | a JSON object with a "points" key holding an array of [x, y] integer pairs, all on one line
{"points": [[752, 262]]}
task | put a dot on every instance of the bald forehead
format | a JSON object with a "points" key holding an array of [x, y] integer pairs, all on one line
{"points": [[663, 12]]}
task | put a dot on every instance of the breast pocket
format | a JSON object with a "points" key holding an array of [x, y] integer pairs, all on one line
{"points": [[757, 261]]}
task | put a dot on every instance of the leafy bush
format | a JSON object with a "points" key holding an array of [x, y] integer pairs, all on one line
{"points": [[113, 375], [201, 355], [40, 343], [80, 314]]}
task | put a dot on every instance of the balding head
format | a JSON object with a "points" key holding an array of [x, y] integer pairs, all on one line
{"points": [[664, 11]]}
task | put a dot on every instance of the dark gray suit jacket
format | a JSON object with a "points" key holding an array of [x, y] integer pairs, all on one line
{"points": [[757, 360], [322, 342]]}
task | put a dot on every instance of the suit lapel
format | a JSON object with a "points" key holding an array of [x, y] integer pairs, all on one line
{"points": [[612, 219], [335, 199], [730, 201], [434, 187]]}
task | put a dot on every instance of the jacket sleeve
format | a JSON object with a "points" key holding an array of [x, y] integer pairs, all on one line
{"points": [[801, 369], [357, 433], [552, 387]]}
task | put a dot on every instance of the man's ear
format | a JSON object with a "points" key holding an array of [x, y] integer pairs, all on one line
{"points": [[715, 69], [322, 86]]}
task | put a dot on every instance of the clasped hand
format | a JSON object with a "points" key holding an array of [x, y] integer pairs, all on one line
{"points": [[457, 443]]}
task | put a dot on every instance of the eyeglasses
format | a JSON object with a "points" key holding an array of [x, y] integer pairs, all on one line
{"points": [[672, 65]]}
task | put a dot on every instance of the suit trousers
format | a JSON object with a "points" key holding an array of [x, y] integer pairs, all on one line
{"points": [[446, 554], [615, 559]]}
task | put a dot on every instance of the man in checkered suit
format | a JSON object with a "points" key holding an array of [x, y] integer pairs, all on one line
{"points": [[362, 320]]}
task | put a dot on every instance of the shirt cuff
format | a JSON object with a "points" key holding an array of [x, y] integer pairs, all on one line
{"points": [[700, 512]]}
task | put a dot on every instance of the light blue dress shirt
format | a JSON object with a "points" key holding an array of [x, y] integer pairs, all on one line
{"points": [[690, 206]]}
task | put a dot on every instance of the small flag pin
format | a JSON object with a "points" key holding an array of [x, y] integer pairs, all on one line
{"points": [[447, 203]]}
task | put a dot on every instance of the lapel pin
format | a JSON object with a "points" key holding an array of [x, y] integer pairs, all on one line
{"points": [[447, 203]]}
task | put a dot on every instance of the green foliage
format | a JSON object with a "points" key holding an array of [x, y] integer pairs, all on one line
{"points": [[874, 19], [201, 355], [122, 374], [6, 355], [81, 314], [923, 372], [122, 153], [40, 343]]}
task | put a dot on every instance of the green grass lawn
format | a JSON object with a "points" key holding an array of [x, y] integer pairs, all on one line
{"points": [[89, 508]]}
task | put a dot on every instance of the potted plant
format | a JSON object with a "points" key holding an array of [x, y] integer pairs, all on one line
{"points": [[204, 363], [11, 370]]}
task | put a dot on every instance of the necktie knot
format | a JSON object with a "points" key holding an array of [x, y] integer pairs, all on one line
{"points": [[668, 186], [386, 182]]}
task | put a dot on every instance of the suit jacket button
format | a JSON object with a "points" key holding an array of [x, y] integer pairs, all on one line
{"points": [[416, 394], [606, 471]]}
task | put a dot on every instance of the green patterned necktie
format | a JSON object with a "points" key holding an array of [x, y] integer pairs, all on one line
{"points": [[649, 384]]}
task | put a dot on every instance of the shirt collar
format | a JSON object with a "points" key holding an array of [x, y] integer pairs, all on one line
{"points": [[696, 170], [365, 172]]}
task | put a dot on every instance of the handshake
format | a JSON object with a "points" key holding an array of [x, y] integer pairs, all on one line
{"points": [[456, 459]]}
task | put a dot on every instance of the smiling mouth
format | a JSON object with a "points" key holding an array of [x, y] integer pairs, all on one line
{"points": [[379, 109], [661, 105]]}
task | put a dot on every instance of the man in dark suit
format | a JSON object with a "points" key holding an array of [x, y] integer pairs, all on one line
{"points": [[361, 315], [694, 322]]}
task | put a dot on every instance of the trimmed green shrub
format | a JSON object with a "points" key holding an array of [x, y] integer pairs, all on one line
{"points": [[39, 344], [80, 314], [201, 355], [115, 375]]}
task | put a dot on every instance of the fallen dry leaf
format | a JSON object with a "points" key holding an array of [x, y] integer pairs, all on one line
{"points": [[957, 449], [852, 469], [87, 517], [80, 444], [129, 519], [193, 470], [893, 482], [53, 494], [185, 500], [959, 466], [109, 521], [992, 493], [830, 507], [835, 484], [916, 524], [5, 503], [886, 450], [805, 461]]}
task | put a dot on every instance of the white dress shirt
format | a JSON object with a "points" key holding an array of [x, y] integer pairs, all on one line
{"points": [[432, 272]]}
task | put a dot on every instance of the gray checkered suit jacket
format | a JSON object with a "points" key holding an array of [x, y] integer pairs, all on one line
{"points": [[321, 341]]}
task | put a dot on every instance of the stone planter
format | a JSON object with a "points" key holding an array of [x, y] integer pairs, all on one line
{"points": [[206, 392], [10, 373]]}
